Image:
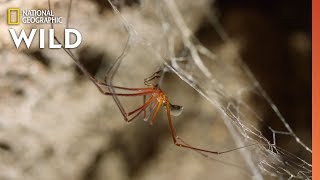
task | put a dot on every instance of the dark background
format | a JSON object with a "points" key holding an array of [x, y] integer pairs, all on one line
{"points": [[277, 48]]}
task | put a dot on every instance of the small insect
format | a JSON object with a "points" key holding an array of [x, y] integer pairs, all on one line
{"points": [[157, 98]]}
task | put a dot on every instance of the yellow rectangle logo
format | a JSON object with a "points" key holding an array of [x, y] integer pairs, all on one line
{"points": [[13, 16]]}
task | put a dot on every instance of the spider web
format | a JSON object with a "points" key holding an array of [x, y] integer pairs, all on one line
{"points": [[161, 33], [212, 76]]}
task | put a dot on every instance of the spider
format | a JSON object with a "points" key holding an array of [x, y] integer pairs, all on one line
{"points": [[158, 98]]}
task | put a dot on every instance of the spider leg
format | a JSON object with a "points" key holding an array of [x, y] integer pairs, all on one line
{"points": [[152, 77], [97, 83], [156, 112], [109, 80], [143, 107], [69, 14], [135, 113], [109, 77], [179, 142], [138, 111], [144, 111]]}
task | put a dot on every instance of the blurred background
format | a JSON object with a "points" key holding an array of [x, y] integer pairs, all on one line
{"points": [[54, 123], [277, 48]]}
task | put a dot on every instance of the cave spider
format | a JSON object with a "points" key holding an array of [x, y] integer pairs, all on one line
{"points": [[157, 99]]}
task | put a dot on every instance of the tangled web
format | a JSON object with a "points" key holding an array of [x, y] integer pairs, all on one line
{"points": [[164, 31], [227, 83]]}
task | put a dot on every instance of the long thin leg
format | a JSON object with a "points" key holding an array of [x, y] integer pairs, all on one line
{"points": [[132, 118], [185, 145], [152, 77], [151, 109], [143, 107], [97, 83], [110, 75], [143, 91], [69, 14], [156, 112], [125, 88], [144, 111]]}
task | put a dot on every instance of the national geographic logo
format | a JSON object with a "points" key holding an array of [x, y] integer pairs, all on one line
{"points": [[15, 16]]}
